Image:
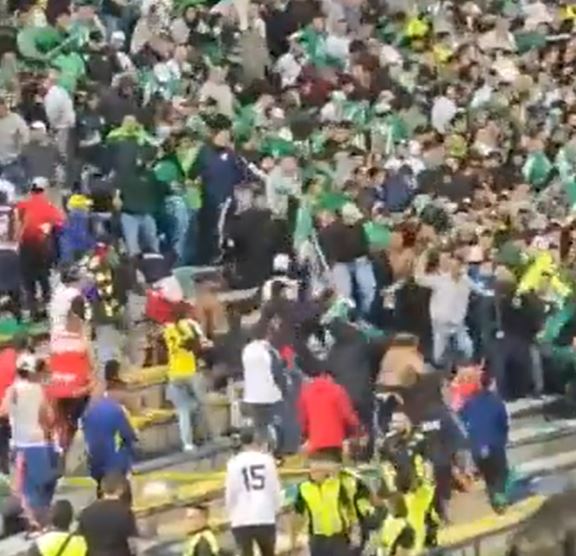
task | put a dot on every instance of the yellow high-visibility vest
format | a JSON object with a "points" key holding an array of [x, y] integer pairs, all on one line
{"points": [[50, 544], [328, 516], [423, 469], [196, 538], [390, 532], [420, 505], [389, 474], [360, 506]]}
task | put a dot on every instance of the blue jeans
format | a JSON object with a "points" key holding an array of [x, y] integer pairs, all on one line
{"points": [[183, 223], [443, 333], [40, 475], [362, 272], [136, 225], [188, 398]]}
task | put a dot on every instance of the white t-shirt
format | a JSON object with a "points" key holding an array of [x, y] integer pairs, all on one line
{"points": [[253, 490], [60, 304], [259, 385]]}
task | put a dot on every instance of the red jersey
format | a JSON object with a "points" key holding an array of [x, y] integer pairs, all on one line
{"points": [[38, 216], [8, 358], [69, 365]]}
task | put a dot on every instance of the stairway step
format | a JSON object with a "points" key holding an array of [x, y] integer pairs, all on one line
{"points": [[532, 411], [546, 439], [548, 465]]}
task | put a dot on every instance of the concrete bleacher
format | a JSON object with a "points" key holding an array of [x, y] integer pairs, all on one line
{"points": [[178, 479], [542, 442]]}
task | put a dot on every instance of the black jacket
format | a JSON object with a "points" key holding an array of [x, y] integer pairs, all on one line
{"points": [[342, 243], [353, 362]]}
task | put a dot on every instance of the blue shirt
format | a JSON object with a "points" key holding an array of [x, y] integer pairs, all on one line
{"points": [[486, 422], [109, 437]]}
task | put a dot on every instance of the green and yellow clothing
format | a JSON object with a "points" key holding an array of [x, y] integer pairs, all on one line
{"points": [[181, 359], [50, 544], [395, 533], [202, 543], [388, 475], [326, 505]]}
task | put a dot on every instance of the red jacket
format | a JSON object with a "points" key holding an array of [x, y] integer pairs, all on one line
{"points": [[326, 414], [8, 357]]}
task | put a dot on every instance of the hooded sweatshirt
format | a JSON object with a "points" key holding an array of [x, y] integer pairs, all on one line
{"points": [[326, 414]]}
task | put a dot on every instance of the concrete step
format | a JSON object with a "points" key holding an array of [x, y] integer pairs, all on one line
{"points": [[536, 411], [539, 440], [560, 463]]}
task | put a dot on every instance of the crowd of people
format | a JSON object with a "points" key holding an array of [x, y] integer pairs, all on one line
{"points": [[391, 183]]}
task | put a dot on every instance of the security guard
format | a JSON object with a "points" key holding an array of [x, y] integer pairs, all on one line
{"points": [[396, 534], [406, 471], [323, 498], [363, 512], [396, 452], [202, 541], [59, 541], [419, 490]]}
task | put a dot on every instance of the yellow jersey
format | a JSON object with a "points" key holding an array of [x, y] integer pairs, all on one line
{"points": [[181, 358]]}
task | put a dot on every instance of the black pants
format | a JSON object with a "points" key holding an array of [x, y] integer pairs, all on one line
{"points": [[264, 536], [5, 445], [208, 245], [494, 471], [35, 262], [337, 545]]}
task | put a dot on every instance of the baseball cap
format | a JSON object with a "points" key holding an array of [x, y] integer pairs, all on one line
{"points": [[39, 183], [26, 362]]}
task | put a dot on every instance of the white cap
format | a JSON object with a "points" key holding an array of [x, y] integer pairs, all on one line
{"points": [[26, 362], [39, 183], [38, 125], [281, 263]]}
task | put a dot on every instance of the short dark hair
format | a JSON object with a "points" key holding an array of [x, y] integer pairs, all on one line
{"points": [[114, 483], [112, 371], [61, 514], [247, 436]]}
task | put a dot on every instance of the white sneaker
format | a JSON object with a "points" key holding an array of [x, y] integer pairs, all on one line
{"points": [[189, 447]]}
